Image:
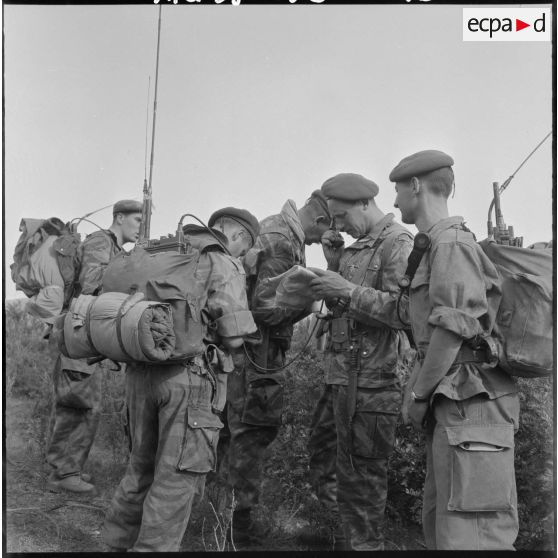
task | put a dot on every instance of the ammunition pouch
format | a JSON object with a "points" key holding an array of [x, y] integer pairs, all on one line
{"points": [[340, 332]]}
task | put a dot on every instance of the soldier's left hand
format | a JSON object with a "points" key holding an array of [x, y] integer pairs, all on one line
{"points": [[416, 412], [330, 284]]}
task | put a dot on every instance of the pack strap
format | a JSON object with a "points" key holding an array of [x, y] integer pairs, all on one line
{"points": [[88, 327], [119, 326]]}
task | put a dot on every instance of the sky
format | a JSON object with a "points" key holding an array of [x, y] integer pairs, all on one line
{"points": [[260, 104]]}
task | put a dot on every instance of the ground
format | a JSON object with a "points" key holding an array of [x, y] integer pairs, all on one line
{"points": [[42, 521]]}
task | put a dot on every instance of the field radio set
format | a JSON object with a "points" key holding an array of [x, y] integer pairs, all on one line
{"points": [[501, 233], [179, 242], [169, 243]]}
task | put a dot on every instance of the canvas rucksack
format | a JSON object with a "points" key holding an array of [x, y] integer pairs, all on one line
{"points": [[165, 277], [524, 323], [46, 256], [522, 337]]}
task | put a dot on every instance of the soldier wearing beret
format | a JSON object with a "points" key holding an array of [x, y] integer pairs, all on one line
{"points": [[175, 408], [255, 391], [353, 429], [78, 385], [468, 409], [239, 226]]}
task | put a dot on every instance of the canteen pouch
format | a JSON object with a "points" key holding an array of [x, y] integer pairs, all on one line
{"points": [[198, 449], [481, 468], [340, 332], [263, 405]]}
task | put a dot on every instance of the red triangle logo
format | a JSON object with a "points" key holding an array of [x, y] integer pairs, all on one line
{"points": [[519, 25]]}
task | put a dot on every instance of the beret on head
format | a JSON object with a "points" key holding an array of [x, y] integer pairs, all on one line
{"points": [[241, 216], [420, 163], [318, 197], [348, 186], [127, 206]]}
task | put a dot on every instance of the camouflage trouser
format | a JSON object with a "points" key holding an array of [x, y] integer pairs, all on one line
{"points": [[362, 457], [75, 418], [254, 408], [174, 440], [322, 446], [470, 498]]}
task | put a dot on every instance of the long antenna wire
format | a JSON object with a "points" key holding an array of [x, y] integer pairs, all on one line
{"points": [[512, 175], [147, 186], [146, 128]]}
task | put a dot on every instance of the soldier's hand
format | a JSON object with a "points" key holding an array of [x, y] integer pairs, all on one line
{"points": [[417, 414], [332, 245], [330, 284]]}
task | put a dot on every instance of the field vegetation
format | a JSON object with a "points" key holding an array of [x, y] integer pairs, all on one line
{"points": [[40, 521]]}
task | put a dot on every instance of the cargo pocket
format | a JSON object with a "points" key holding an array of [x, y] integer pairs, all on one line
{"points": [[263, 405], [198, 453], [374, 423], [482, 473], [373, 435], [77, 390]]}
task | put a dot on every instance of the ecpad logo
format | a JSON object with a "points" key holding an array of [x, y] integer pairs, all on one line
{"points": [[507, 24]]}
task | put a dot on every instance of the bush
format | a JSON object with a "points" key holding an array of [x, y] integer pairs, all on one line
{"points": [[287, 462]]}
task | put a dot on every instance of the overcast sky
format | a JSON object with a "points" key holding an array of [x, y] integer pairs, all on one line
{"points": [[259, 104]]}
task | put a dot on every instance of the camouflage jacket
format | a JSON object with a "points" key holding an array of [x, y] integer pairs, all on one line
{"points": [[279, 246], [372, 311], [96, 252], [225, 302]]}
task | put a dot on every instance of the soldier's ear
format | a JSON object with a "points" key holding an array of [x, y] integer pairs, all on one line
{"points": [[415, 185]]}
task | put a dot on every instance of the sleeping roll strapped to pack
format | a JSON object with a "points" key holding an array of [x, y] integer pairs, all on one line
{"points": [[124, 328], [165, 277]]}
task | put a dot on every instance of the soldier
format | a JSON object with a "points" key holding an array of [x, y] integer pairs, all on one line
{"points": [[357, 414], [174, 408], [239, 226], [255, 394], [77, 385], [473, 409]]}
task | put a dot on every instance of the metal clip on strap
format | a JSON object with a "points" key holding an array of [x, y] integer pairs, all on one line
{"points": [[420, 245]]}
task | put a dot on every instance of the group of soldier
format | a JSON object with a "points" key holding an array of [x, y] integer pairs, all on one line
{"points": [[468, 410]]}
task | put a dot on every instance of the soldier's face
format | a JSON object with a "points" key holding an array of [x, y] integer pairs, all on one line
{"points": [[239, 244], [405, 201], [349, 217], [130, 226]]}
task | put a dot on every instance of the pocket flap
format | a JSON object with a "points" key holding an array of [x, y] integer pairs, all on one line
{"points": [[385, 402], [203, 418], [495, 435]]}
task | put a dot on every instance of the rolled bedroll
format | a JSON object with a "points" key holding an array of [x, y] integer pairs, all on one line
{"points": [[122, 327]]}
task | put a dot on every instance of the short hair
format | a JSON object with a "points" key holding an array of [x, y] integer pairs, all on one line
{"points": [[440, 182]]}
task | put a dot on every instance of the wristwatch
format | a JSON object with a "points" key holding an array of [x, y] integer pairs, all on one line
{"points": [[418, 399]]}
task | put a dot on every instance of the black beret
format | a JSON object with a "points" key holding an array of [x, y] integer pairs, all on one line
{"points": [[127, 206], [241, 216], [420, 163], [318, 197], [348, 186]]}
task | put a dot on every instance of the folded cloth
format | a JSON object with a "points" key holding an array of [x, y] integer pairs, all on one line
{"points": [[121, 327]]}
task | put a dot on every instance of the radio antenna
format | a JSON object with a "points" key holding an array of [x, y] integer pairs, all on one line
{"points": [[147, 186]]}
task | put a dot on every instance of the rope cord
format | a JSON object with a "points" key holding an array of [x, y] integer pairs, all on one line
{"points": [[296, 357]]}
